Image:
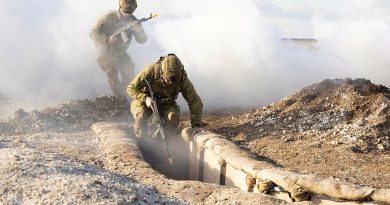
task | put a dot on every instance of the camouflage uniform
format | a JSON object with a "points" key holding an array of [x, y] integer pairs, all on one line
{"points": [[166, 94], [113, 57]]}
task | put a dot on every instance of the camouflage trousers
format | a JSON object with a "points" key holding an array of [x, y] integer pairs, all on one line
{"points": [[155, 150], [114, 65], [141, 113]]}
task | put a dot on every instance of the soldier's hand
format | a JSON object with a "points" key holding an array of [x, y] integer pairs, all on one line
{"points": [[200, 125], [137, 28], [196, 130], [148, 102], [112, 39]]}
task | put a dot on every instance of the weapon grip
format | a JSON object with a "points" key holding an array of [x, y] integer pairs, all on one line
{"points": [[124, 36]]}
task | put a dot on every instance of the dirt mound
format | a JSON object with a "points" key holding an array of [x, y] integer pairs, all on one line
{"points": [[341, 111], [73, 115], [336, 128]]}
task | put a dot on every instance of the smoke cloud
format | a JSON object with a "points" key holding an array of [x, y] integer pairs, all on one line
{"points": [[232, 50]]}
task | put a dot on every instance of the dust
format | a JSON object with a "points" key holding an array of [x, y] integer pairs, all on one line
{"points": [[4, 104]]}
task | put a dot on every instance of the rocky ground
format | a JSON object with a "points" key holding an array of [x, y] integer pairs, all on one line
{"points": [[50, 156], [70, 116], [336, 128], [52, 167]]}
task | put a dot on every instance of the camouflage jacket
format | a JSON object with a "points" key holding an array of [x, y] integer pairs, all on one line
{"points": [[138, 90], [112, 21]]}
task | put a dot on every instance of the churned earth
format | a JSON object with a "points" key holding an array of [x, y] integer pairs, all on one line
{"points": [[52, 156], [336, 128], [52, 167]]}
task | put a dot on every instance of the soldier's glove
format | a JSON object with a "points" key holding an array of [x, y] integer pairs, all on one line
{"points": [[148, 102], [137, 28], [200, 125], [112, 39]]}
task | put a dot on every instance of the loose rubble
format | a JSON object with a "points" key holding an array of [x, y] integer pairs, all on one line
{"points": [[52, 168], [339, 112], [51, 157], [336, 128], [73, 115]]}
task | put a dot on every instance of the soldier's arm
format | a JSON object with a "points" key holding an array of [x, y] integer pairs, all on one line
{"points": [[138, 31], [194, 102], [138, 83], [99, 32]]}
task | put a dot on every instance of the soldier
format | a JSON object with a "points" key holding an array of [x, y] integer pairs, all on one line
{"points": [[167, 78], [113, 57]]}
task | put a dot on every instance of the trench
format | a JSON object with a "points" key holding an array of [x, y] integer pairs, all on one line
{"points": [[192, 161], [188, 161], [167, 156], [210, 158]]}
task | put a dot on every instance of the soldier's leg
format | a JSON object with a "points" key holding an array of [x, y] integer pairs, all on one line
{"points": [[172, 123], [126, 67], [175, 143], [171, 115], [140, 114], [113, 81], [107, 64], [151, 150]]}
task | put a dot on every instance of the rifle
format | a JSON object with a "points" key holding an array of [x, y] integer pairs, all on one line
{"points": [[122, 30], [157, 119]]}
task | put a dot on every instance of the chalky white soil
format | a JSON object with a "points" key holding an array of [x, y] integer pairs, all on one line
{"points": [[65, 168]]}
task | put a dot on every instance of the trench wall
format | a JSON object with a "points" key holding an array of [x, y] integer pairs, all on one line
{"points": [[207, 157], [214, 159], [123, 156]]}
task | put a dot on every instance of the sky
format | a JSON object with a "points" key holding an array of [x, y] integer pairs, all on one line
{"points": [[232, 50]]}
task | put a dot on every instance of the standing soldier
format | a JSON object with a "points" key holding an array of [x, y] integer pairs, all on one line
{"points": [[167, 79], [113, 57]]}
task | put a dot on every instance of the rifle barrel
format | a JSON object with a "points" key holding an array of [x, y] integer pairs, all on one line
{"points": [[124, 28]]}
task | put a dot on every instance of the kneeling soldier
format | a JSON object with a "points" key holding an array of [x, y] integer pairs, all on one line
{"points": [[167, 79]]}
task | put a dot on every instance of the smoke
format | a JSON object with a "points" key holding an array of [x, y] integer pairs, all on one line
{"points": [[46, 55], [361, 45], [232, 51], [235, 56]]}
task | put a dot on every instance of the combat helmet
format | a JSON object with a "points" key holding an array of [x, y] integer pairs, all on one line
{"points": [[171, 68], [127, 6]]}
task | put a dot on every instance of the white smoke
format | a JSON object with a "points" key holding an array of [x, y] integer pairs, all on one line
{"points": [[46, 55], [235, 56], [361, 45], [232, 50]]}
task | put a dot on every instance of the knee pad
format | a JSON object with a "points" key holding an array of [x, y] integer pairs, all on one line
{"points": [[172, 120]]}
